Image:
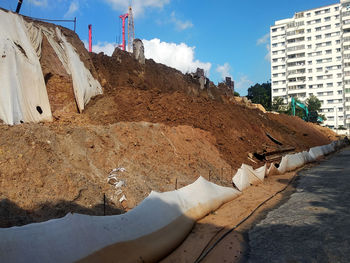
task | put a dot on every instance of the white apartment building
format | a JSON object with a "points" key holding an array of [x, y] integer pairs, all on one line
{"points": [[310, 55]]}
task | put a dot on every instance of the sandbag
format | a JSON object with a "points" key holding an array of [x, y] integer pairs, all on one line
{"points": [[246, 175], [148, 232]]}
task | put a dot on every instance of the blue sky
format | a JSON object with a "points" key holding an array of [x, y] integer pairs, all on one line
{"points": [[226, 37]]}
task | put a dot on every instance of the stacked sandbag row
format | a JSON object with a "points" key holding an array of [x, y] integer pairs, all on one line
{"points": [[146, 233], [246, 175], [23, 94]]}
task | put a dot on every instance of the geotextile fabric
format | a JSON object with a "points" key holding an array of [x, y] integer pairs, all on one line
{"points": [[149, 231], [246, 175]]}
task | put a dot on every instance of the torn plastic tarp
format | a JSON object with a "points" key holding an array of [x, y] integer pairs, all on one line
{"points": [[23, 95], [84, 84], [149, 231]]}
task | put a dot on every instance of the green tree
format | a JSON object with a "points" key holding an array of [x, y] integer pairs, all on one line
{"points": [[313, 103], [276, 103], [261, 94], [236, 94]]}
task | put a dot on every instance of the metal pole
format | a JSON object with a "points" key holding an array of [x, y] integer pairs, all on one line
{"points": [[104, 204], [19, 6], [90, 38], [75, 23]]}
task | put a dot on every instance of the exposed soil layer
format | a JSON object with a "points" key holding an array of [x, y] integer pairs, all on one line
{"points": [[151, 120]]}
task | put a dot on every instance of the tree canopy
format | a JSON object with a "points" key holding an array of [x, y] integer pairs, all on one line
{"points": [[313, 103], [261, 94], [276, 103]]}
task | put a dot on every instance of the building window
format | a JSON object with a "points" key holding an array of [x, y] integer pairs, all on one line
{"points": [[309, 30], [328, 18]]}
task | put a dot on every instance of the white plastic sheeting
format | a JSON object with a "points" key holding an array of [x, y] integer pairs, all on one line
{"points": [[23, 95], [84, 85], [149, 231], [246, 175]]}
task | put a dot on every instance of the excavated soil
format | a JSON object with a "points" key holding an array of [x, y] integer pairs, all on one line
{"points": [[151, 120]]}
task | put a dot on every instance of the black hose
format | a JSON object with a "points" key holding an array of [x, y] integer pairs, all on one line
{"points": [[205, 252]]}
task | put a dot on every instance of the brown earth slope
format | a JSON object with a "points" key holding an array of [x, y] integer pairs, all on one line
{"points": [[151, 120]]}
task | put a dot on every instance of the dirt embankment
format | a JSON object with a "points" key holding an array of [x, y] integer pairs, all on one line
{"points": [[151, 120]]}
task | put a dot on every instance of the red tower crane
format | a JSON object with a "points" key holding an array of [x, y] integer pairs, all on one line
{"points": [[131, 32], [123, 17]]}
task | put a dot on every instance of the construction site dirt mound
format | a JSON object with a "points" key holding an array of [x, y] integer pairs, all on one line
{"points": [[152, 120]]}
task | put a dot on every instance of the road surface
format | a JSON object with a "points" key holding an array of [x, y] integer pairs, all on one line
{"points": [[314, 224]]}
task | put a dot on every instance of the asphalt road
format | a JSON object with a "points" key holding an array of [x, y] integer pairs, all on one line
{"points": [[314, 224]]}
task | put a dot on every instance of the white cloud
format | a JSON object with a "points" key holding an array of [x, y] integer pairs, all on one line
{"points": [[179, 56], [138, 5], [180, 25], [265, 40], [74, 6], [104, 47], [243, 84], [41, 3], [268, 54], [224, 70]]}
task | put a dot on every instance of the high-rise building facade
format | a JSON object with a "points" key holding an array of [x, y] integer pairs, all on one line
{"points": [[310, 55]]}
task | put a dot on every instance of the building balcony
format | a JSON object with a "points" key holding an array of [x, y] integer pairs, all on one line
{"points": [[346, 34], [296, 59]]}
